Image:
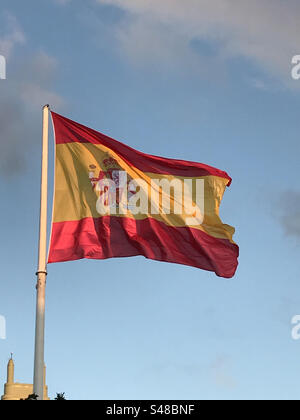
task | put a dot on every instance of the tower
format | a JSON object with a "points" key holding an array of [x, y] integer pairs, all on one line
{"points": [[10, 371], [17, 391]]}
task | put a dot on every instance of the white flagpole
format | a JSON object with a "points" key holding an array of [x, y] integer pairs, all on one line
{"points": [[38, 381]]}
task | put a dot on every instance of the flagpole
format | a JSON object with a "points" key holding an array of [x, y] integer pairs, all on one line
{"points": [[38, 381]]}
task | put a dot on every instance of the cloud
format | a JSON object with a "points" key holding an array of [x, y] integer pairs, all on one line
{"points": [[29, 85], [38, 95], [35, 91], [290, 213], [13, 35], [146, 42], [285, 310], [266, 32], [62, 1], [221, 372]]}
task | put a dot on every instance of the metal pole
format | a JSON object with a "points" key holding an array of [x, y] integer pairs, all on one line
{"points": [[38, 381]]}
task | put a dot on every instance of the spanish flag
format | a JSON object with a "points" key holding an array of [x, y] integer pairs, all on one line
{"points": [[113, 201]]}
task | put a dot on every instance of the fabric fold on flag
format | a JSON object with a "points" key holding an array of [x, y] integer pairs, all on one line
{"points": [[111, 200]]}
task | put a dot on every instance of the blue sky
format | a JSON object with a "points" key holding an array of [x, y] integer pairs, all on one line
{"points": [[207, 81]]}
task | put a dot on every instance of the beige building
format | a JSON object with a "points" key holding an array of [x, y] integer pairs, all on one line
{"points": [[14, 391]]}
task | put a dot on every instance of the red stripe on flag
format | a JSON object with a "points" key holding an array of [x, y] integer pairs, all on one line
{"points": [[68, 131], [111, 236]]}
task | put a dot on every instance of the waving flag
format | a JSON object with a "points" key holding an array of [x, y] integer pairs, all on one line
{"points": [[114, 201]]}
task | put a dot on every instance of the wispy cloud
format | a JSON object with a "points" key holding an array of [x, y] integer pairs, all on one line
{"points": [[267, 32], [63, 1], [221, 372], [29, 85], [10, 35], [290, 213]]}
